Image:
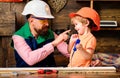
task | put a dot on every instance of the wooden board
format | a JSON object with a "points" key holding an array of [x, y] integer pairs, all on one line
{"points": [[7, 23], [62, 69]]}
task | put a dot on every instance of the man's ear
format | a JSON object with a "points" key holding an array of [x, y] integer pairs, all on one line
{"points": [[30, 19]]}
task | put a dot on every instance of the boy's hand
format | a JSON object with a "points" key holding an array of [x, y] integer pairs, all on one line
{"points": [[79, 46], [73, 38], [96, 63]]}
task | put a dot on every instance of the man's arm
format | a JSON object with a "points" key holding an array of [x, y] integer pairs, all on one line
{"points": [[62, 47], [29, 56]]}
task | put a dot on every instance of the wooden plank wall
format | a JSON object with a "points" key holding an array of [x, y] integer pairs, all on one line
{"points": [[10, 20], [14, 20], [7, 28]]}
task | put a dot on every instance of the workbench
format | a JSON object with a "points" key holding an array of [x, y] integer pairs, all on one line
{"points": [[63, 72]]}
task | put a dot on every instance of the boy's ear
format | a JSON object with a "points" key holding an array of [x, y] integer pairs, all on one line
{"points": [[88, 22]]}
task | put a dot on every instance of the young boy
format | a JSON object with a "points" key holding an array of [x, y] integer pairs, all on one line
{"points": [[85, 20]]}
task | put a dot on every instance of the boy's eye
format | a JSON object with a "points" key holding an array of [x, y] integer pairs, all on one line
{"points": [[76, 24]]}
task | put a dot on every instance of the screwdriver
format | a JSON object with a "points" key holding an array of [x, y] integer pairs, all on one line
{"points": [[47, 71], [74, 49]]}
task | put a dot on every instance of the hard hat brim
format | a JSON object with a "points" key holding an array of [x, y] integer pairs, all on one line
{"points": [[36, 15], [71, 15], [48, 17]]}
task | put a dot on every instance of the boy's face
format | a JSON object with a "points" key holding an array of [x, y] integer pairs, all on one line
{"points": [[79, 27]]}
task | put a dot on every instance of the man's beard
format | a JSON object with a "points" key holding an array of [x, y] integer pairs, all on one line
{"points": [[43, 31]]}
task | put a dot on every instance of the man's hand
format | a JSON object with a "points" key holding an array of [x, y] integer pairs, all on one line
{"points": [[62, 37]]}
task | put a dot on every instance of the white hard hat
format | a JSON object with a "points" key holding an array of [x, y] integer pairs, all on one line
{"points": [[38, 8]]}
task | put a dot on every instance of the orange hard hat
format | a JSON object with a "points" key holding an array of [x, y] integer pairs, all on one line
{"points": [[88, 12]]}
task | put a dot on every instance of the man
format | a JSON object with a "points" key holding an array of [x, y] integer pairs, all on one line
{"points": [[34, 42]]}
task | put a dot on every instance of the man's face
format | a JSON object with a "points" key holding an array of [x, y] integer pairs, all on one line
{"points": [[40, 25]]}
